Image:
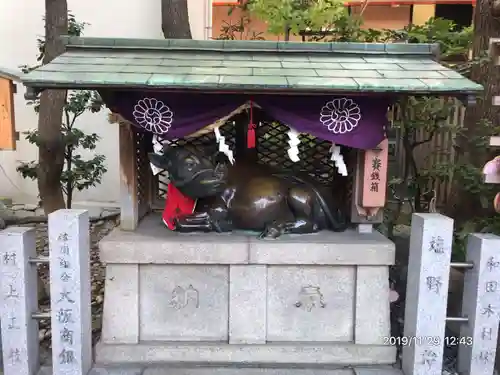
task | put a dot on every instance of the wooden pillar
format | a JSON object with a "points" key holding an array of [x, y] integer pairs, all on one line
{"points": [[129, 204]]}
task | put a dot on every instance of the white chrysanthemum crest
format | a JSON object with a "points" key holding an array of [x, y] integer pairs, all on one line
{"points": [[153, 115], [340, 115]]}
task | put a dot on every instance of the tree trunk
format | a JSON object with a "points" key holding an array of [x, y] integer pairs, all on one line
{"points": [[51, 150], [287, 33], [175, 19], [465, 205], [486, 26]]}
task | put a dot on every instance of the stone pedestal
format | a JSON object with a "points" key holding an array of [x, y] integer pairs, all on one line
{"points": [[233, 299]]}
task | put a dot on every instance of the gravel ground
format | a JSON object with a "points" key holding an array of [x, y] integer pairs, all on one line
{"points": [[97, 231]]}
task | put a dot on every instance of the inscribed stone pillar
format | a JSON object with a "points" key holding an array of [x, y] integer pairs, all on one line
{"points": [[70, 292], [427, 293], [481, 304], [19, 301]]}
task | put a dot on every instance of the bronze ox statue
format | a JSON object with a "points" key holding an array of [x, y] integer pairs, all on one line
{"points": [[247, 197]]}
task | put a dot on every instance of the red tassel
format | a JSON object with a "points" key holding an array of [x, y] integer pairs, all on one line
{"points": [[251, 129], [251, 136]]}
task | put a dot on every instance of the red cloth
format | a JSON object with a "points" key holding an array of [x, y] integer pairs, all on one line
{"points": [[176, 204]]}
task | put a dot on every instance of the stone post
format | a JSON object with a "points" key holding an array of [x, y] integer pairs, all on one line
{"points": [[481, 304], [427, 294], [69, 242], [19, 301]]}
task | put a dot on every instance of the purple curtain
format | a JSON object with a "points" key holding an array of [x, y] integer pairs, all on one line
{"points": [[357, 121]]}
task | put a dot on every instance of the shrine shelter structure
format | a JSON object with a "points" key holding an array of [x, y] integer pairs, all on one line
{"points": [[234, 299]]}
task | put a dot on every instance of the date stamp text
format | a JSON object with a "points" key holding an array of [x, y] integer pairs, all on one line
{"points": [[427, 341]]}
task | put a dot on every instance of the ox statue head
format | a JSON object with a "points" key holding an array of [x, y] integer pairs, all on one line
{"points": [[195, 174]]}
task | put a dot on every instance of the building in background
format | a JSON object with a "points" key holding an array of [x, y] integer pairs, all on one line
{"points": [[109, 19], [141, 19], [379, 14]]}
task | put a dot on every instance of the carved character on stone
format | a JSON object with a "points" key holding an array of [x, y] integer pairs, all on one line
{"points": [[429, 358], [67, 357], [15, 356], [485, 356], [66, 336], [12, 292], [310, 297], [205, 195], [182, 298], [488, 310], [492, 264], [9, 259], [437, 245], [12, 323], [65, 316], [487, 333], [491, 286], [434, 284], [63, 263]]}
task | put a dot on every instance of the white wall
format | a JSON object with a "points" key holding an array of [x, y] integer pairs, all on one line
{"points": [[20, 25]]}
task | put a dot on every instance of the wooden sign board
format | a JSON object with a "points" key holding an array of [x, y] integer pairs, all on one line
{"points": [[7, 121], [376, 164]]}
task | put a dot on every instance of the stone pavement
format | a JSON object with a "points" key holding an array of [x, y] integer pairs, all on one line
{"points": [[175, 370]]}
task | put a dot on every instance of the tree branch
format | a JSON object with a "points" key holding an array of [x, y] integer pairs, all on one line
{"points": [[428, 139]]}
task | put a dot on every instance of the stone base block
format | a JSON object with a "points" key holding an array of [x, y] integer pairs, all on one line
{"points": [[181, 370], [233, 299], [226, 354], [377, 370], [246, 371], [153, 243]]}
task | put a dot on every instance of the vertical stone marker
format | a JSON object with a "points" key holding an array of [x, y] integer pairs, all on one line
{"points": [[481, 304], [69, 242], [19, 301], [427, 293]]}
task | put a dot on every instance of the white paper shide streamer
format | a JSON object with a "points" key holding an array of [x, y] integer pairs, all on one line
{"points": [[293, 142], [223, 147], [157, 149], [338, 159]]}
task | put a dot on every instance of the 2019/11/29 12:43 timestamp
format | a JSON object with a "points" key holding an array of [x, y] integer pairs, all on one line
{"points": [[427, 340]]}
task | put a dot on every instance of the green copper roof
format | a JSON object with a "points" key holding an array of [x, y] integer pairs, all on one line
{"points": [[249, 66]]}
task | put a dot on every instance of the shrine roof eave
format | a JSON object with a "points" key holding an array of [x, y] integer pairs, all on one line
{"points": [[249, 66], [34, 88], [10, 74]]}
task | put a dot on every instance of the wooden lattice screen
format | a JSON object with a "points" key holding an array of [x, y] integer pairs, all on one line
{"points": [[145, 186], [272, 146], [271, 150]]}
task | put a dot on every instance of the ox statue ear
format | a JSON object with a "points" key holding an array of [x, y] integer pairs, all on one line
{"points": [[159, 161]]}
